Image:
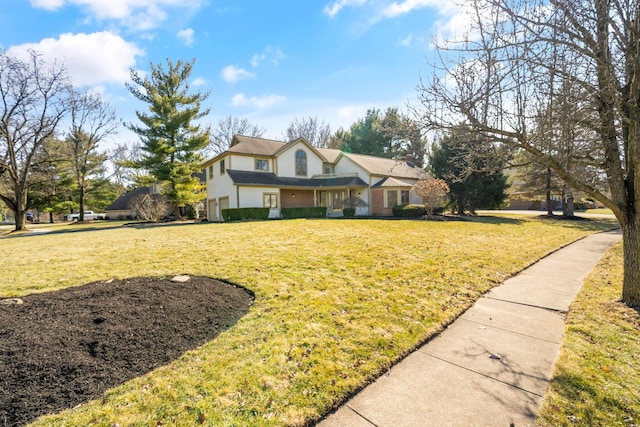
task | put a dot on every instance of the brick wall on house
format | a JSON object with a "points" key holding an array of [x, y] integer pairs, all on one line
{"points": [[296, 199]]}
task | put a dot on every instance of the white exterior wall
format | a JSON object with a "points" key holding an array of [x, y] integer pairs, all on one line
{"points": [[346, 166], [252, 197], [219, 187], [287, 162]]}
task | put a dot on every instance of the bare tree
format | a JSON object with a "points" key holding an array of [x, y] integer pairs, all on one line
{"points": [[503, 77], [433, 193], [228, 127], [151, 207], [33, 100], [314, 132], [92, 120]]}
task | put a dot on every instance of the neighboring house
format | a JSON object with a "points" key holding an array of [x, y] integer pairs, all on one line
{"points": [[257, 172], [122, 207]]}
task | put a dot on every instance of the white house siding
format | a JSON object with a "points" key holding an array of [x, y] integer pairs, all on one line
{"points": [[287, 162], [346, 166], [253, 197], [248, 163]]}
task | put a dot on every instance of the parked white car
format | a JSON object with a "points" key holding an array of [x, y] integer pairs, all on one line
{"points": [[88, 216]]}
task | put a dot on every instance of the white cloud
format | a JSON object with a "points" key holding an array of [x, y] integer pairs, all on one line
{"points": [[411, 40], [257, 59], [199, 82], [407, 41], [91, 59], [232, 74], [186, 36], [332, 9], [240, 100], [271, 54], [140, 15], [406, 6], [47, 4]]}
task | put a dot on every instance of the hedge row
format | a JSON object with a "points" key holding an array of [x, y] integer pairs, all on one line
{"points": [[314, 212], [245, 213], [408, 210]]}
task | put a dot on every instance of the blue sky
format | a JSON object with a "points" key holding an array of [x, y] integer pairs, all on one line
{"points": [[268, 61]]}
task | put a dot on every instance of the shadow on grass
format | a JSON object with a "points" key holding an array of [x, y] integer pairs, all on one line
{"points": [[498, 220], [79, 228], [576, 222]]}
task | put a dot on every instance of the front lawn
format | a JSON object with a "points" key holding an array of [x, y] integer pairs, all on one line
{"points": [[336, 303]]}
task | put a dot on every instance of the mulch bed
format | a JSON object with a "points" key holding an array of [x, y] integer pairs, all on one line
{"points": [[60, 349]]}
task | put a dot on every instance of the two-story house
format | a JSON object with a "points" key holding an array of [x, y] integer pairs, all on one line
{"points": [[258, 172]]}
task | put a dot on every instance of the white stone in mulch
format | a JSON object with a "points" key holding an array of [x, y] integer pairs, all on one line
{"points": [[181, 279], [11, 301]]}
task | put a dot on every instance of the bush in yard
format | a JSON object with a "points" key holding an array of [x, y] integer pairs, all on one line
{"points": [[151, 207], [349, 212], [433, 193], [408, 211], [239, 214], [313, 212]]}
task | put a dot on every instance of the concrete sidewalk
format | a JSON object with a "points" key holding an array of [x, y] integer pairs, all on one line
{"points": [[492, 366]]}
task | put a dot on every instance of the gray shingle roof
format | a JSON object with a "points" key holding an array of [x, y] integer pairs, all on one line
{"points": [[272, 180], [123, 202], [386, 167], [389, 182], [256, 146], [374, 165]]}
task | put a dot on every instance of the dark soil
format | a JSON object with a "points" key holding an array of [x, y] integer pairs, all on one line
{"points": [[60, 349]]}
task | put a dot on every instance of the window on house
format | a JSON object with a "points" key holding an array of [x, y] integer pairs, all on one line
{"points": [[404, 197], [210, 171], [392, 198], [328, 170], [262, 165], [222, 168], [301, 163], [270, 200]]}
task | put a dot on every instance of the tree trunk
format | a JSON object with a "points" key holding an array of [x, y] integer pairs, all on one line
{"points": [[567, 202], [548, 194], [631, 249], [21, 220], [20, 211], [81, 202]]}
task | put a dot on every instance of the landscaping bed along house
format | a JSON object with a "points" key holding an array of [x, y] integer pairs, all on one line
{"points": [[76, 343]]}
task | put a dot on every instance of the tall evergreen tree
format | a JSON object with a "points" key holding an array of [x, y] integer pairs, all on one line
{"points": [[472, 169], [171, 142], [393, 135]]}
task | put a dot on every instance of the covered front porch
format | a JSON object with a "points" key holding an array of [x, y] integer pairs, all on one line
{"points": [[334, 199]]}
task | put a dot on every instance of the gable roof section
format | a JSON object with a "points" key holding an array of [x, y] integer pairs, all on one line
{"points": [[257, 146], [331, 154], [390, 182], [123, 202], [290, 144], [240, 177], [386, 167]]}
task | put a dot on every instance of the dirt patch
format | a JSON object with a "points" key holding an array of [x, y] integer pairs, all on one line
{"points": [[60, 349]]}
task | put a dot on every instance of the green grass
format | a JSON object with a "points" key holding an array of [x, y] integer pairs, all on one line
{"points": [[597, 380], [337, 303]]}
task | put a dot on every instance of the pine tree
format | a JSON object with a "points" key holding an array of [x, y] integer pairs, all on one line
{"points": [[473, 170], [171, 142]]}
